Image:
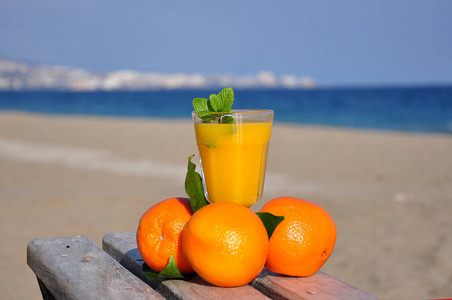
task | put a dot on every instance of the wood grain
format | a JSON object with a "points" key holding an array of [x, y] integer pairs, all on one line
{"points": [[75, 268], [122, 247], [317, 286]]}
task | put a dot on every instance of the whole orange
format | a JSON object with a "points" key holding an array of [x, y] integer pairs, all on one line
{"points": [[226, 244], [159, 234], [303, 242]]}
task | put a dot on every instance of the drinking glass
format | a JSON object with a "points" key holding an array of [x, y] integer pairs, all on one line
{"points": [[233, 153]]}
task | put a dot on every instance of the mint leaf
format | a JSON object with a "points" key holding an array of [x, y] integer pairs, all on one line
{"points": [[209, 118], [221, 103], [270, 221], [227, 97], [200, 105], [216, 103], [203, 113], [227, 120], [203, 108], [170, 271], [193, 187]]}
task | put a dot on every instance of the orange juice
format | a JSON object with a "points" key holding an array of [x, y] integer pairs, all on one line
{"points": [[233, 158]]}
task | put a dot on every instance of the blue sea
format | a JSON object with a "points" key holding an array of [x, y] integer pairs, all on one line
{"points": [[410, 109]]}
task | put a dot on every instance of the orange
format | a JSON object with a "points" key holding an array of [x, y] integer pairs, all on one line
{"points": [[303, 242], [226, 244], [159, 234]]}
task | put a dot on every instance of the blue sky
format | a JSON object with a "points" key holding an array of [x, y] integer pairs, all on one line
{"points": [[334, 42]]}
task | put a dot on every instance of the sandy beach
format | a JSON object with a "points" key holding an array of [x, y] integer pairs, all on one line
{"points": [[389, 193]]}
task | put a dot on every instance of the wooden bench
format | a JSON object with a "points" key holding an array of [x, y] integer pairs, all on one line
{"points": [[75, 268]]}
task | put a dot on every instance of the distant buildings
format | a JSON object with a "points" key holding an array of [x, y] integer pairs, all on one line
{"points": [[21, 76]]}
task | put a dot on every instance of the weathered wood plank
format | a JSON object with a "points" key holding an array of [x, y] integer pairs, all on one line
{"points": [[317, 286], [122, 247], [75, 268], [46, 294]]}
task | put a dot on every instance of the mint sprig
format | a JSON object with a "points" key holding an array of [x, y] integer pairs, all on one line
{"points": [[212, 109]]}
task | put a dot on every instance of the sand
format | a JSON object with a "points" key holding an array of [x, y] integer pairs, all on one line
{"points": [[389, 193]]}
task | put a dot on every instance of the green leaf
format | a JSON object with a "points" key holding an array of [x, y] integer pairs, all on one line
{"points": [[270, 221], [227, 97], [216, 102], [203, 113], [200, 105], [193, 187], [227, 120], [221, 103], [170, 271], [204, 109], [209, 118]]}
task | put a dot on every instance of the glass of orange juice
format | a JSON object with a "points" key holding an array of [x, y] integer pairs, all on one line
{"points": [[234, 154]]}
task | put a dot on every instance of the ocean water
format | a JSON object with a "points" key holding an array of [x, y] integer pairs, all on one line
{"points": [[412, 109]]}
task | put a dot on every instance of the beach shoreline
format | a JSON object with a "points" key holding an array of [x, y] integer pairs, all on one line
{"points": [[388, 192]]}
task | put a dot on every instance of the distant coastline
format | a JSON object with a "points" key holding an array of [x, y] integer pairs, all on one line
{"points": [[24, 76], [20, 76]]}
